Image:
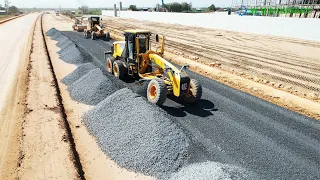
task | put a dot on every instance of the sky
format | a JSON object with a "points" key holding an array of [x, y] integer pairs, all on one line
{"points": [[108, 3]]}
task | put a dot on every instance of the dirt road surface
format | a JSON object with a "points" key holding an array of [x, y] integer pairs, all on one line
{"points": [[33, 136], [14, 52], [45, 152], [288, 64]]}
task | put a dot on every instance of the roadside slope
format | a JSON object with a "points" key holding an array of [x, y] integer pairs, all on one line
{"points": [[14, 55]]}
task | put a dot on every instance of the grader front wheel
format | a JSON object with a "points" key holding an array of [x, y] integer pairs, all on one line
{"points": [[195, 92], [157, 91]]}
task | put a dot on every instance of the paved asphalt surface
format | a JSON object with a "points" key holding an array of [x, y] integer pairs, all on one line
{"points": [[233, 127]]}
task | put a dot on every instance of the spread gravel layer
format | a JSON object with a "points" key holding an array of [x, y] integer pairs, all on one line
{"points": [[78, 73], [92, 88], [138, 135], [69, 52], [213, 171]]}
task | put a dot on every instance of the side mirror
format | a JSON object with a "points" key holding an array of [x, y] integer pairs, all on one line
{"points": [[107, 53], [157, 37]]}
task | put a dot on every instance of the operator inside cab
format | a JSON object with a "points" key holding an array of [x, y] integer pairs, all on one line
{"points": [[101, 25], [143, 43]]}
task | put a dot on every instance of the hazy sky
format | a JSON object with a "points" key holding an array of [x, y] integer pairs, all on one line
{"points": [[108, 3]]}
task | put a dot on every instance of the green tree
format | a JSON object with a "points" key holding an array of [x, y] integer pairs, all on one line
{"points": [[13, 10], [133, 7], [186, 6], [174, 7], [212, 8], [84, 9]]}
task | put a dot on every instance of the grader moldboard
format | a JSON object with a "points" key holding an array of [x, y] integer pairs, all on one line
{"points": [[95, 29], [135, 58]]}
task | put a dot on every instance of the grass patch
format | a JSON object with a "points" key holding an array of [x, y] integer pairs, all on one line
{"points": [[3, 17], [95, 12]]}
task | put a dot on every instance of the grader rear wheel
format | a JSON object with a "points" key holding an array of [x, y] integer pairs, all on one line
{"points": [[157, 91], [107, 37], [195, 92], [93, 36], [110, 62]]}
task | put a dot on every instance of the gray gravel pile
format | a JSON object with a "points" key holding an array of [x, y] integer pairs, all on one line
{"points": [[137, 135], [57, 34], [71, 55], [69, 52], [51, 32], [92, 88], [77, 73], [213, 171]]}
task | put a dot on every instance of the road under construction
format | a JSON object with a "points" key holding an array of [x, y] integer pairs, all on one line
{"points": [[66, 116]]}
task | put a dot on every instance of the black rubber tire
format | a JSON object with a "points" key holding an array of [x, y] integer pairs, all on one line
{"points": [[107, 37], [195, 90], [110, 62], [86, 35], [93, 36], [157, 91], [119, 70]]}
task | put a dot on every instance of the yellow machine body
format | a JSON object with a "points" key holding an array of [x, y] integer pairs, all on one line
{"points": [[162, 68]]}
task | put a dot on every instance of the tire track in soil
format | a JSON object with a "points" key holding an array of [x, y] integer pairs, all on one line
{"points": [[76, 158]]}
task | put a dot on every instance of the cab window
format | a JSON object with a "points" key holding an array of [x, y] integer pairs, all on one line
{"points": [[130, 48]]}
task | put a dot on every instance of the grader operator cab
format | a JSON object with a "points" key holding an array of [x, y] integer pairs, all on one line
{"points": [[95, 29], [134, 57]]}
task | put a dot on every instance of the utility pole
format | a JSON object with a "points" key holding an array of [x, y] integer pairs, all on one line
{"points": [[7, 5], [59, 8]]}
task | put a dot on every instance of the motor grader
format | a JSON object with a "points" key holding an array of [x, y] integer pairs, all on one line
{"points": [[95, 29], [78, 24], [134, 57]]}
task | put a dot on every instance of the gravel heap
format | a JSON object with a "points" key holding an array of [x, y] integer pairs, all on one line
{"points": [[92, 88], [137, 135], [51, 32], [213, 171], [69, 52], [77, 73]]}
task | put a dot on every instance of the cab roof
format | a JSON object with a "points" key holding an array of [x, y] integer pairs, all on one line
{"points": [[137, 31]]}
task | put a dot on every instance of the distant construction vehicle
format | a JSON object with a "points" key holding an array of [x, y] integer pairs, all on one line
{"points": [[95, 29], [78, 24], [134, 57]]}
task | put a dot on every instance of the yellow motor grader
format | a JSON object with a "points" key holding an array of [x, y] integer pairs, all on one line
{"points": [[95, 29], [134, 57]]}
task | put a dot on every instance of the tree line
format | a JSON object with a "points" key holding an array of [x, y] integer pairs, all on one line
{"points": [[177, 7], [11, 9]]}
